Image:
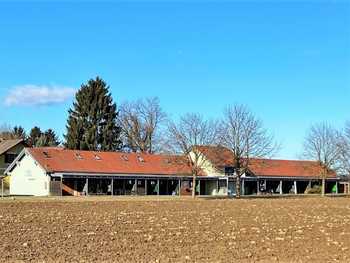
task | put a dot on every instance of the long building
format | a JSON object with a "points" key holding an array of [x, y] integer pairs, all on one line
{"points": [[57, 171]]}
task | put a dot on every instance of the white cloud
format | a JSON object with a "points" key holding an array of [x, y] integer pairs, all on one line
{"points": [[33, 95]]}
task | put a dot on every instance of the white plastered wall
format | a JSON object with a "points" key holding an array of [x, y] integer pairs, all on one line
{"points": [[207, 166], [28, 178]]}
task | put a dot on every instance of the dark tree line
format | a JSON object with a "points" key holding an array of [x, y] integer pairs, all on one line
{"points": [[9, 133], [35, 138]]}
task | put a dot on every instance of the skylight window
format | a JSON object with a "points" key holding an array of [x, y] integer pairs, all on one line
{"points": [[78, 156], [125, 158], [167, 161], [140, 159], [46, 154]]}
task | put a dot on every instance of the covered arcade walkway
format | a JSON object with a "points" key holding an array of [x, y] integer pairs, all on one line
{"points": [[177, 186]]}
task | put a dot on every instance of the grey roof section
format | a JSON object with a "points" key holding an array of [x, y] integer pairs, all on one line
{"points": [[8, 144]]}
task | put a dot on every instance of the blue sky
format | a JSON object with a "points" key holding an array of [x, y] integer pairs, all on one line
{"points": [[288, 61]]}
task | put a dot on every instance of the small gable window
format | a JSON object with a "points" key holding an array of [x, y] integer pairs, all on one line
{"points": [[229, 170]]}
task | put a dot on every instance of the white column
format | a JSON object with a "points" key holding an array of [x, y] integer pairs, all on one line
{"points": [[227, 185], [61, 185], [199, 187], [158, 190], [258, 187], [295, 187], [136, 186], [167, 186], [87, 186], [242, 188], [179, 187], [112, 186], [337, 191], [145, 186], [281, 187]]}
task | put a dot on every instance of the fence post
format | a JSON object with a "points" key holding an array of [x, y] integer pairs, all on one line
{"points": [[2, 187]]}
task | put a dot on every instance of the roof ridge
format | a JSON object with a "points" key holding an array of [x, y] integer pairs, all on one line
{"points": [[283, 160], [105, 152]]}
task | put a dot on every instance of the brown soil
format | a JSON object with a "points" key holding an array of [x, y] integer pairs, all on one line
{"points": [[179, 230]]}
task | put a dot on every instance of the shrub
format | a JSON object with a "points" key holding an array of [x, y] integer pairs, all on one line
{"points": [[316, 189]]}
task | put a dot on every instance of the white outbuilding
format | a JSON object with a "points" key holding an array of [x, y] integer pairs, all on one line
{"points": [[27, 176]]}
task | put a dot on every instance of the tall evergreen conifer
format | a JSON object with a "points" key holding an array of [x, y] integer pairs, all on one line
{"points": [[92, 122]]}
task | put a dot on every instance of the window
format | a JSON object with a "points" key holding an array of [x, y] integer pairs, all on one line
{"points": [[10, 157], [229, 170]]}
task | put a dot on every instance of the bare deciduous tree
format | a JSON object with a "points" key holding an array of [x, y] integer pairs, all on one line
{"points": [[140, 122], [246, 137], [345, 151], [191, 131], [322, 144]]}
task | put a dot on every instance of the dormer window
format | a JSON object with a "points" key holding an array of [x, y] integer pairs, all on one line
{"points": [[97, 157]]}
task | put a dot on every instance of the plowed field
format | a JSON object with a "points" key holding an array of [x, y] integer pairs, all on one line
{"points": [[175, 230]]}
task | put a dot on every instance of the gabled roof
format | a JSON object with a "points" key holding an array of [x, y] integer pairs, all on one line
{"points": [[73, 161], [8, 144], [221, 157]]}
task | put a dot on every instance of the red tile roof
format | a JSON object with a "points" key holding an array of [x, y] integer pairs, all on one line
{"points": [[220, 157], [72, 161], [286, 168]]}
